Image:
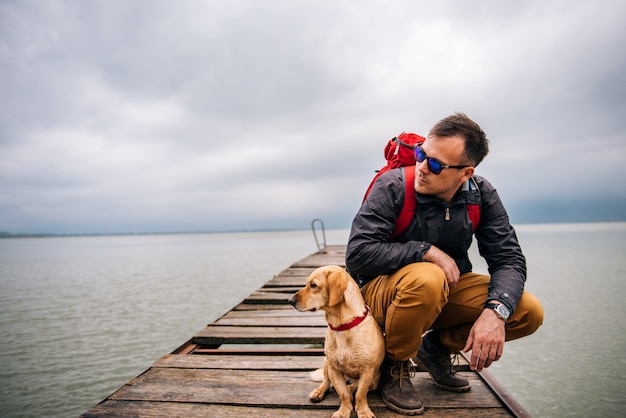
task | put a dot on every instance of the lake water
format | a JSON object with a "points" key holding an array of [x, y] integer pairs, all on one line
{"points": [[81, 316]]}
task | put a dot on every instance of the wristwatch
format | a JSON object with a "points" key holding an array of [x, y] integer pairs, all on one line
{"points": [[501, 310]]}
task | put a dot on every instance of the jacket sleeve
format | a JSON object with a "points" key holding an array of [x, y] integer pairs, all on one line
{"points": [[498, 244], [369, 253]]}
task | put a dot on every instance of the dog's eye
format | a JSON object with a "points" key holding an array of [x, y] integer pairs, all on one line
{"points": [[312, 285]]}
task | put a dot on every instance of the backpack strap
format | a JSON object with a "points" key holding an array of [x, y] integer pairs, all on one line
{"points": [[473, 209], [410, 202]]}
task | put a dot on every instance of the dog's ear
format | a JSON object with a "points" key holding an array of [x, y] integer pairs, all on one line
{"points": [[337, 285]]}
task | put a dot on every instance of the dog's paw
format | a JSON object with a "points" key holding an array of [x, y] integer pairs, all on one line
{"points": [[342, 412], [365, 413], [317, 395]]}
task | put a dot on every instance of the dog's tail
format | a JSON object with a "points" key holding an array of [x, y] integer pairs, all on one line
{"points": [[317, 375]]}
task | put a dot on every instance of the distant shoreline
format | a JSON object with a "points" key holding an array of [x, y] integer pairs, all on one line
{"points": [[4, 234], [9, 235]]}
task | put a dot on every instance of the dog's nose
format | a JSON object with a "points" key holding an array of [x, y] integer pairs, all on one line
{"points": [[293, 300]]}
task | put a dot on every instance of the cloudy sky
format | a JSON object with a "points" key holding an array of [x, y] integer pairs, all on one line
{"points": [[157, 116]]}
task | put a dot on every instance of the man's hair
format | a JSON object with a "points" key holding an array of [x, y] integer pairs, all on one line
{"points": [[476, 142]]}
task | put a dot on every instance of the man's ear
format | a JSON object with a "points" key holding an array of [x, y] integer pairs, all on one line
{"points": [[337, 285], [468, 172]]}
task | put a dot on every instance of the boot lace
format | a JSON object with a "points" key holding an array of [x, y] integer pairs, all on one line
{"points": [[402, 370], [455, 363], [450, 360]]}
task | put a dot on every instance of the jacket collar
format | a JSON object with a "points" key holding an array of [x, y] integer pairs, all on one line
{"points": [[467, 193]]}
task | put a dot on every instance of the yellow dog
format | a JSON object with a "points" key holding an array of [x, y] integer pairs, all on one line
{"points": [[354, 348]]}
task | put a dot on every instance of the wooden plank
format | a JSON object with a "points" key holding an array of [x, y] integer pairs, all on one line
{"points": [[273, 313], [142, 409], [249, 387], [316, 350], [261, 297], [286, 321], [332, 255], [269, 389], [462, 365], [242, 362], [338, 250], [296, 271], [290, 290], [289, 281], [259, 307], [216, 335], [318, 260], [136, 409]]}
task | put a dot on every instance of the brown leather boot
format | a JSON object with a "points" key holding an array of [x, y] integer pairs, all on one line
{"points": [[436, 359], [396, 389]]}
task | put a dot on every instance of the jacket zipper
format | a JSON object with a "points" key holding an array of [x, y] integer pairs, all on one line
{"points": [[447, 217]]}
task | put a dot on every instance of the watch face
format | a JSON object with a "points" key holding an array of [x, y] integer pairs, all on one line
{"points": [[503, 311]]}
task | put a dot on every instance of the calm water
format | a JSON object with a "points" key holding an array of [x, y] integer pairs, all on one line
{"points": [[80, 316]]}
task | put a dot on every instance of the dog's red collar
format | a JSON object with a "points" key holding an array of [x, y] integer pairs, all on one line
{"points": [[356, 321]]}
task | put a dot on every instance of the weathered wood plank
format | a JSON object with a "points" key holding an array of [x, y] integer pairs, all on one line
{"points": [[317, 260], [269, 388], [286, 321], [296, 272], [260, 307], [290, 281], [241, 362], [271, 350], [272, 313], [274, 298], [336, 250], [137, 409], [217, 335], [255, 361], [282, 289], [141, 409]]}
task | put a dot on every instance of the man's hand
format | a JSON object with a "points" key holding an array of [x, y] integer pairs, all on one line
{"points": [[447, 264], [486, 340]]}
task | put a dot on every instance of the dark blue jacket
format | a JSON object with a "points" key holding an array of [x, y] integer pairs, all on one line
{"points": [[370, 252]]}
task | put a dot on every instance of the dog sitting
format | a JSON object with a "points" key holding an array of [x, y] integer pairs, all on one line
{"points": [[354, 347]]}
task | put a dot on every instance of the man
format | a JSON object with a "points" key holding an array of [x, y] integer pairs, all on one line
{"points": [[422, 280]]}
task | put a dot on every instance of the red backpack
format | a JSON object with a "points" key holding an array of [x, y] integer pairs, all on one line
{"points": [[400, 152]]}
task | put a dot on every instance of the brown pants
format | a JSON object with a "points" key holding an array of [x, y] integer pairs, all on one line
{"points": [[416, 298]]}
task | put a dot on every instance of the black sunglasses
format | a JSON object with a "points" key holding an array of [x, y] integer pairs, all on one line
{"points": [[435, 166]]}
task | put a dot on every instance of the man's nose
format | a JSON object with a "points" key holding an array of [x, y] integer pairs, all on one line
{"points": [[422, 167]]}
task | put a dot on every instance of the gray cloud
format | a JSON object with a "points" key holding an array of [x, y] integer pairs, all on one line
{"points": [[159, 116]]}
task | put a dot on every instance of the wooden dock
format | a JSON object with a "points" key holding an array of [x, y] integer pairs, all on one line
{"points": [[255, 361]]}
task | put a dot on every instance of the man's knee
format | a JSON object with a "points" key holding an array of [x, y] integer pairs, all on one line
{"points": [[530, 314], [535, 312], [419, 287], [424, 279]]}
